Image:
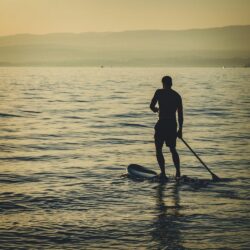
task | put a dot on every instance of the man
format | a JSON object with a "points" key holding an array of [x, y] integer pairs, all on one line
{"points": [[169, 102]]}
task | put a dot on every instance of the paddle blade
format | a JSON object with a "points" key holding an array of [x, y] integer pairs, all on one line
{"points": [[215, 177]]}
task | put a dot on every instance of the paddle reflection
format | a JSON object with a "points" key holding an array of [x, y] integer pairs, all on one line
{"points": [[166, 231]]}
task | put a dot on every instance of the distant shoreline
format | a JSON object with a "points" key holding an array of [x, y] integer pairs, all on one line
{"points": [[129, 31], [213, 47]]}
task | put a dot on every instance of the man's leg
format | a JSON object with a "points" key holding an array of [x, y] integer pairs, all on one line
{"points": [[176, 160], [159, 155]]}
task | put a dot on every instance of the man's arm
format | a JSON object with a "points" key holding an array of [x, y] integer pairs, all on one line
{"points": [[180, 118], [153, 103]]}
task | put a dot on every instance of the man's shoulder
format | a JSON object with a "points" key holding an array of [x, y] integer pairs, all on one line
{"points": [[162, 92], [157, 92], [176, 93]]}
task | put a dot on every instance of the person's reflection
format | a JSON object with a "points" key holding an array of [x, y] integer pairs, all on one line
{"points": [[166, 233]]}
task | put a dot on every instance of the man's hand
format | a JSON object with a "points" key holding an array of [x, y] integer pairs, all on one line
{"points": [[179, 133], [155, 109]]}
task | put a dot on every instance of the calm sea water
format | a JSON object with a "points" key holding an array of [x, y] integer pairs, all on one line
{"points": [[68, 134]]}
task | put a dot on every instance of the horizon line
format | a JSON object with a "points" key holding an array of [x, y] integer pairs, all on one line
{"points": [[123, 31]]}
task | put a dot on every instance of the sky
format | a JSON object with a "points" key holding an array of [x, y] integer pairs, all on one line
{"points": [[53, 16]]}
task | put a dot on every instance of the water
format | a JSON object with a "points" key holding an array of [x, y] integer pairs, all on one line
{"points": [[68, 134]]}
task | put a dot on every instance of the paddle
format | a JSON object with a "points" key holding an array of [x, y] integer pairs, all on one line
{"points": [[214, 176]]}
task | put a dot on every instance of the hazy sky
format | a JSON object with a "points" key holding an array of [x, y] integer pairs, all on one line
{"points": [[46, 16]]}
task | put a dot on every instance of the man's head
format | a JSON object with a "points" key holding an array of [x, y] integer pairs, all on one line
{"points": [[167, 82]]}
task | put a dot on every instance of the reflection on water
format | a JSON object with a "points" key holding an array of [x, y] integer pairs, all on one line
{"points": [[68, 134], [166, 227]]}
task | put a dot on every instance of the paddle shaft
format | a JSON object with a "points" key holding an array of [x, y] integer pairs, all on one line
{"points": [[197, 157]]}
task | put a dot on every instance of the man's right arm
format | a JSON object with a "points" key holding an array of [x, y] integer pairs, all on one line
{"points": [[153, 103]]}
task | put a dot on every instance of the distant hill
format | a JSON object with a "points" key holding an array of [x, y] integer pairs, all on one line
{"points": [[226, 46]]}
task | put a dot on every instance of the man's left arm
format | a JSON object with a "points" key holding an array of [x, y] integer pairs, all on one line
{"points": [[180, 118]]}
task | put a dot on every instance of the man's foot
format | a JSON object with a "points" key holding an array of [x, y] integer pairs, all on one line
{"points": [[178, 177], [163, 177]]}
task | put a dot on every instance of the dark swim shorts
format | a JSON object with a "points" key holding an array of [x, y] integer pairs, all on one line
{"points": [[166, 131]]}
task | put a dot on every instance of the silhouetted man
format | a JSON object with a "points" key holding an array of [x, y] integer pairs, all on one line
{"points": [[169, 101]]}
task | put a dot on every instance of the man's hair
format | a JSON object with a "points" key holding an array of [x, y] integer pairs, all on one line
{"points": [[167, 81]]}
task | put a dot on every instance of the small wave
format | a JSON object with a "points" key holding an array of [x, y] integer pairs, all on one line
{"points": [[9, 115], [115, 81], [31, 111], [74, 117], [120, 141], [217, 113], [13, 178], [51, 135], [48, 147], [13, 206], [81, 101], [231, 194], [133, 125], [52, 101], [209, 112], [128, 115], [67, 176], [29, 158]]}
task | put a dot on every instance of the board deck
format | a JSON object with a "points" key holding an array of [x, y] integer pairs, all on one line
{"points": [[140, 172]]}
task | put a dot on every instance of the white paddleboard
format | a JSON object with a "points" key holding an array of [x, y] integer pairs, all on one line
{"points": [[140, 172]]}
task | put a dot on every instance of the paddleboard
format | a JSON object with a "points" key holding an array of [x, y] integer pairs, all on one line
{"points": [[140, 172]]}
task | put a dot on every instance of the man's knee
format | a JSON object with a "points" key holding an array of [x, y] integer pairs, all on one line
{"points": [[173, 150], [159, 152], [158, 147]]}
